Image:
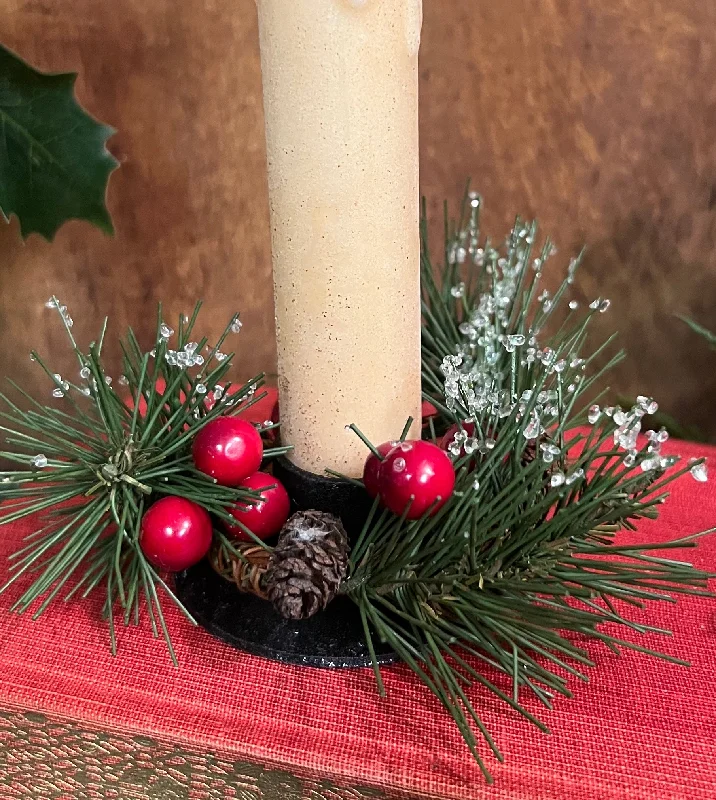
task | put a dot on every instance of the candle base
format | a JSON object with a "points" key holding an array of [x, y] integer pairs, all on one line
{"points": [[333, 638]]}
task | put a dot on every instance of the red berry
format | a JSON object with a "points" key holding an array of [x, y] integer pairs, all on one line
{"points": [[428, 410], [418, 470], [266, 518], [228, 449], [275, 413], [160, 387], [258, 412], [371, 470], [175, 534], [449, 438]]}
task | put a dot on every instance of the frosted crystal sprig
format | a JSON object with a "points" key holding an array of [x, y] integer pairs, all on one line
{"points": [[55, 304], [500, 373]]}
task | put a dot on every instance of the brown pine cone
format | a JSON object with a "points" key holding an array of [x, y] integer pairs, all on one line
{"points": [[307, 565], [529, 453]]}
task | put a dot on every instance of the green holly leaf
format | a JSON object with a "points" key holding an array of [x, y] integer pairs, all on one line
{"points": [[54, 163]]}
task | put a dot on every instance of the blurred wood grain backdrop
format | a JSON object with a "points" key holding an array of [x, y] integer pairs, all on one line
{"points": [[598, 117]]}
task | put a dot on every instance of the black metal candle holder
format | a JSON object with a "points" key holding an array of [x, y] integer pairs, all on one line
{"points": [[332, 638]]}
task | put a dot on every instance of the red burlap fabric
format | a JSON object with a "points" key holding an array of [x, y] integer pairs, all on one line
{"points": [[640, 729]]}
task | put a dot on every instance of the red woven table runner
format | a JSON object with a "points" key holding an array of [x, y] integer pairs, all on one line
{"points": [[641, 728]]}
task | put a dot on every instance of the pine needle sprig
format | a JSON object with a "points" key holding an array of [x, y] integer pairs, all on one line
{"points": [[91, 469], [524, 556]]}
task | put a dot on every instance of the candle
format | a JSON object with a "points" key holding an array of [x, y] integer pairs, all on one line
{"points": [[340, 84]]}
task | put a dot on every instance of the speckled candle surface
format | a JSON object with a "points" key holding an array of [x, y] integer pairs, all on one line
{"points": [[341, 102]]}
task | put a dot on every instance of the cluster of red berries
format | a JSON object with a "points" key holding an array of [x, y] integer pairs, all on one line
{"points": [[412, 477], [177, 533]]}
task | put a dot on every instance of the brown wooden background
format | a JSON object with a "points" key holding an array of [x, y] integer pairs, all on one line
{"points": [[598, 116]]}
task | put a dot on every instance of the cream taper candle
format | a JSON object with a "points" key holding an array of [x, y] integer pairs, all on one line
{"points": [[340, 84]]}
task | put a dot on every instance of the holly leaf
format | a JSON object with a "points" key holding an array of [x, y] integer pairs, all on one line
{"points": [[54, 163]]}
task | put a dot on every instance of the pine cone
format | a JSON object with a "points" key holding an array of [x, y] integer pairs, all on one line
{"points": [[529, 453], [307, 565]]}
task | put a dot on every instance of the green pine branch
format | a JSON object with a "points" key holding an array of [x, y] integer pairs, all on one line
{"points": [[524, 555], [704, 333], [92, 461]]}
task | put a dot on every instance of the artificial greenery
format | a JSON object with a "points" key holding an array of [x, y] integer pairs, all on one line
{"points": [[54, 164], [525, 554], [93, 460], [704, 333], [662, 419], [522, 557]]}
